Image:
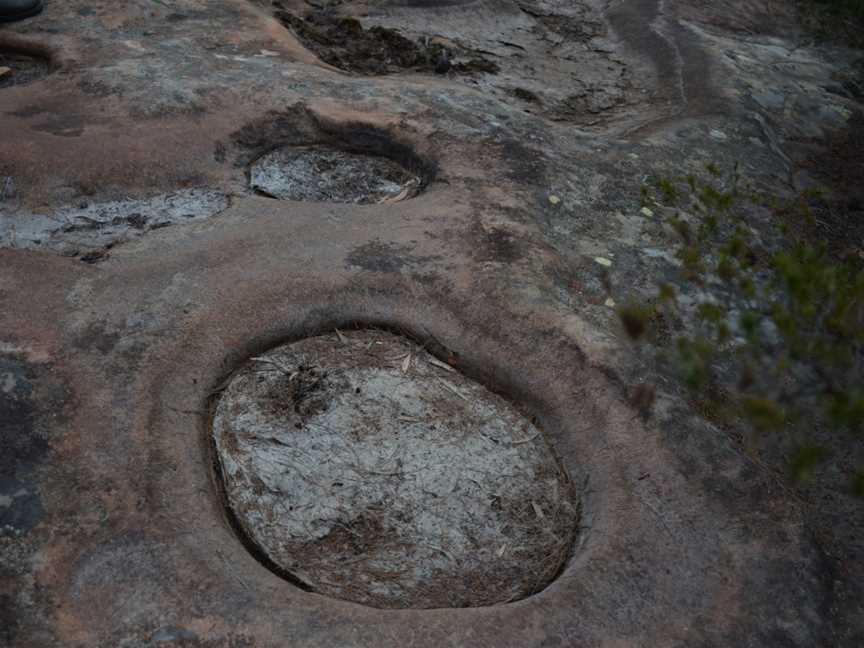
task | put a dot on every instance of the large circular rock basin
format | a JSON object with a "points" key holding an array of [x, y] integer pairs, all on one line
{"points": [[370, 471]]}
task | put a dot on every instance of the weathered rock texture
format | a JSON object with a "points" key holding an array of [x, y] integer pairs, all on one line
{"points": [[371, 472], [531, 125], [330, 176]]}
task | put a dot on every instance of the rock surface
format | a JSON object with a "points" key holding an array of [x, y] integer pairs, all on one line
{"points": [[114, 532]]}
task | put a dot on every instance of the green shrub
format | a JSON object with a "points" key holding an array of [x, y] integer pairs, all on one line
{"points": [[779, 326]]}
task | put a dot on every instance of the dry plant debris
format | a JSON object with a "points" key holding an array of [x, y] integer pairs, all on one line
{"points": [[363, 467]]}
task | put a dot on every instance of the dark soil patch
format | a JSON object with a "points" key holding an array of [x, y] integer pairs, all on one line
{"points": [[497, 245], [835, 21], [29, 395], [301, 393], [838, 213], [376, 256], [344, 43], [21, 69], [526, 95]]}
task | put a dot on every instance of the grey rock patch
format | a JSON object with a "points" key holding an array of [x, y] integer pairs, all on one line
{"points": [[87, 230], [545, 51], [168, 634]]}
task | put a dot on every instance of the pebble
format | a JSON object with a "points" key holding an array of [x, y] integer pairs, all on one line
{"points": [[603, 261]]}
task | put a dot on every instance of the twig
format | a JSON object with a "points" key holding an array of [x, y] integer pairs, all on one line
{"points": [[453, 389]]}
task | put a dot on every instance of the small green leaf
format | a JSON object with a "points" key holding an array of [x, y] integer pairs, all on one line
{"points": [[726, 269], [709, 312], [723, 333], [682, 228], [691, 259], [669, 192], [846, 409], [805, 461], [750, 324], [765, 414], [857, 485], [666, 293]]}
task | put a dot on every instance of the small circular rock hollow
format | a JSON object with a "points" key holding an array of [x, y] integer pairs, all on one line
{"points": [[320, 174], [368, 470]]}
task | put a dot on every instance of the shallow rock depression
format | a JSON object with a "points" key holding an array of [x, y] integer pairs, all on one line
{"points": [[330, 175], [372, 472]]}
